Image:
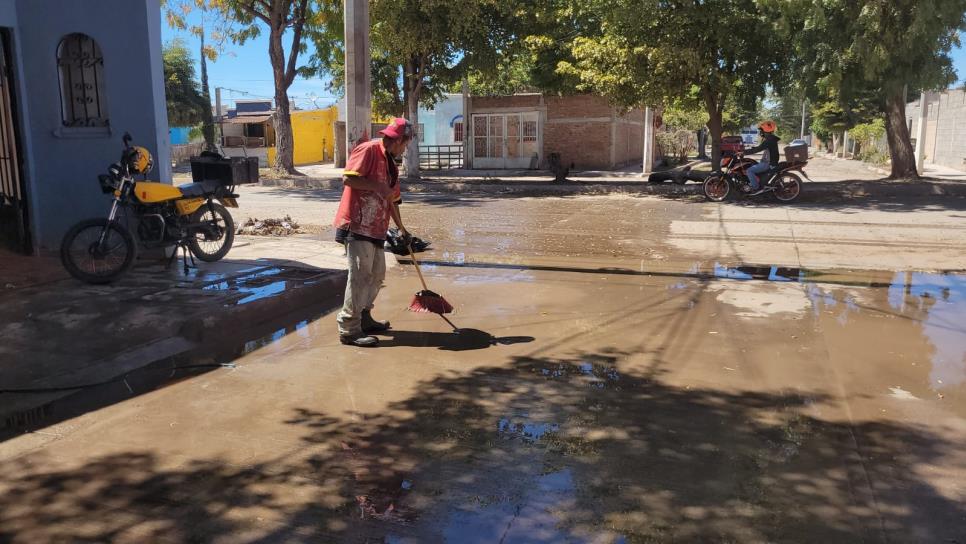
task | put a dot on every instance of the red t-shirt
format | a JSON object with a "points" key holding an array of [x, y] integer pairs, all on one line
{"points": [[365, 212]]}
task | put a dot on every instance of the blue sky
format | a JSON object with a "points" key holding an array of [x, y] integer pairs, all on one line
{"points": [[246, 68]]}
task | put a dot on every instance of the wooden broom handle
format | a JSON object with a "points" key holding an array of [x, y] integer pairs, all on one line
{"points": [[409, 246]]}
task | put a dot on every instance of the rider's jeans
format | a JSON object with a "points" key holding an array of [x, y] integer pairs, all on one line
{"points": [[753, 172]]}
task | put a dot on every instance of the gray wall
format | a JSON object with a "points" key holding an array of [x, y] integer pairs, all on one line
{"points": [[946, 117], [62, 165]]}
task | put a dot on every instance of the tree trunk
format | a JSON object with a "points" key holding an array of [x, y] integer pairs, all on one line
{"points": [[284, 141], [207, 120], [412, 90], [835, 144], [900, 145], [411, 158], [715, 127]]}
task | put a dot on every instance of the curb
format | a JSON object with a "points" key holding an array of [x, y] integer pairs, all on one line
{"points": [[498, 187], [202, 343]]}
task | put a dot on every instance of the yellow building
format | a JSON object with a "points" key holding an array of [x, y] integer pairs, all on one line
{"points": [[313, 132]]}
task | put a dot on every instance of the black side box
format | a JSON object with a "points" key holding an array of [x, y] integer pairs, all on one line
{"points": [[225, 170], [796, 153]]}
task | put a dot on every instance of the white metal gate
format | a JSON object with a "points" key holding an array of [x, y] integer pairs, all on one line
{"points": [[506, 140]]}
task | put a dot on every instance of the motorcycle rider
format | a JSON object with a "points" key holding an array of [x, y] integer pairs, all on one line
{"points": [[769, 144]]}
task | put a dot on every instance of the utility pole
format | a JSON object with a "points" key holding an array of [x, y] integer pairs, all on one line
{"points": [[218, 114], [358, 96]]}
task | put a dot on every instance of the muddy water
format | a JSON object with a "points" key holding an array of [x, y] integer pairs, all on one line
{"points": [[600, 386]]}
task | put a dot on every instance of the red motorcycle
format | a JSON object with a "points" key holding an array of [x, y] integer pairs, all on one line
{"points": [[780, 181]]}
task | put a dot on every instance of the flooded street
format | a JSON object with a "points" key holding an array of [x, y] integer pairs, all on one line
{"points": [[617, 370]]}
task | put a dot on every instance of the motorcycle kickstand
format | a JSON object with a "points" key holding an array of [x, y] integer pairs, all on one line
{"points": [[185, 256]]}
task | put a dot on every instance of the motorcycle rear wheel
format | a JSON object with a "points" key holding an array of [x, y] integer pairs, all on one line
{"points": [[212, 247], [788, 187], [717, 188], [86, 259]]}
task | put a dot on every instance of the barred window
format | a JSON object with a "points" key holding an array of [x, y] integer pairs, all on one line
{"points": [[80, 65], [420, 133], [458, 132], [529, 131]]}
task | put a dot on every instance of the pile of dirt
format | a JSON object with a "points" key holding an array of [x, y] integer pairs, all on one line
{"points": [[285, 226]]}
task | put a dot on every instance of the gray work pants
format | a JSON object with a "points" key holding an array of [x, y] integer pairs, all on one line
{"points": [[367, 270]]}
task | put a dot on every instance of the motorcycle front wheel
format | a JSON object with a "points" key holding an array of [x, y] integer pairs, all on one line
{"points": [[98, 251], [212, 241], [717, 188]]}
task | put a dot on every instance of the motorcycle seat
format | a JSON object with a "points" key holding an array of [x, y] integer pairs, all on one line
{"points": [[199, 189]]}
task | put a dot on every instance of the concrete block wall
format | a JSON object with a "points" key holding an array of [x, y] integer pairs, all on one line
{"points": [[946, 115], [950, 149]]}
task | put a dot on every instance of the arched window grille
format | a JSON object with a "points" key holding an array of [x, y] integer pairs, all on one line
{"points": [[81, 68]]}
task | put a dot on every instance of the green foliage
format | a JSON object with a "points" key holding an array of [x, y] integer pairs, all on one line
{"points": [[676, 146], [678, 117], [868, 132], [196, 133], [423, 47], [186, 105], [655, 52], [855, 52]]}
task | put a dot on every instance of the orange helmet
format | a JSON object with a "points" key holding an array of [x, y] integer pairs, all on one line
{"points": [[768, 126]]}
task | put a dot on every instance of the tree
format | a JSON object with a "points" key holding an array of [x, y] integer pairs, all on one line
{"points": [[873, 47], [420, 49], [186, 105], [656, 52], [280, 16], [211, 23], [242, 21]]}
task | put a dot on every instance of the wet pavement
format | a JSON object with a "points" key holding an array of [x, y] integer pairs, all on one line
{"points": [[613, 376]]}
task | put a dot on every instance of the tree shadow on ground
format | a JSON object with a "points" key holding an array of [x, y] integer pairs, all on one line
{"points": [[540, 449]]}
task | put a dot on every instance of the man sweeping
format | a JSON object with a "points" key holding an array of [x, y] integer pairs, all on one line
{"points": [[370, 197]]}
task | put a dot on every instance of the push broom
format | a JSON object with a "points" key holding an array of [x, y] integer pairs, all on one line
{"points": [[426, 300]]}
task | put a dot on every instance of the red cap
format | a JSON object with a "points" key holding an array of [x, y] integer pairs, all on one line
{"points": [[399, 128]]}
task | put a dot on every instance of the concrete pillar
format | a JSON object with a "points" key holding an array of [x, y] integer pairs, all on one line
{"points": [[801, 135], [921, 135], [648, 140], [358, 95]]}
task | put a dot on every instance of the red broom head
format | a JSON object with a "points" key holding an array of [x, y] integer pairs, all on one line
{"points": [[428, 301]]}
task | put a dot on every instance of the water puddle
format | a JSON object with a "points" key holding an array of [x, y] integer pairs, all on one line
{"points": [[525, 430], [931, 307], [265, 283], [596, 375], [938, 303], [536, 516]]}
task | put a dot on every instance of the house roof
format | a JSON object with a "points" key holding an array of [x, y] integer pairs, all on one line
{"points": [[248, 119]]}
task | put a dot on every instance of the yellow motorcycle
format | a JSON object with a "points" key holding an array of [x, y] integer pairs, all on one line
{"points": [[184, 217]]}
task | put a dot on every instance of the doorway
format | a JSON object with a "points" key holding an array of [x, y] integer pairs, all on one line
{"points": [[14, 229], [506, 140]]}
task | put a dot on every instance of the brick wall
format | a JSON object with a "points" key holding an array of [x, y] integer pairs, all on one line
{"points": [[587, 145], [579, 106], [515, 101], [583, 129]]}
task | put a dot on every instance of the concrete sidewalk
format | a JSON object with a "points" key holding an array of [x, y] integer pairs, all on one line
{"points": [[64, 343]]}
